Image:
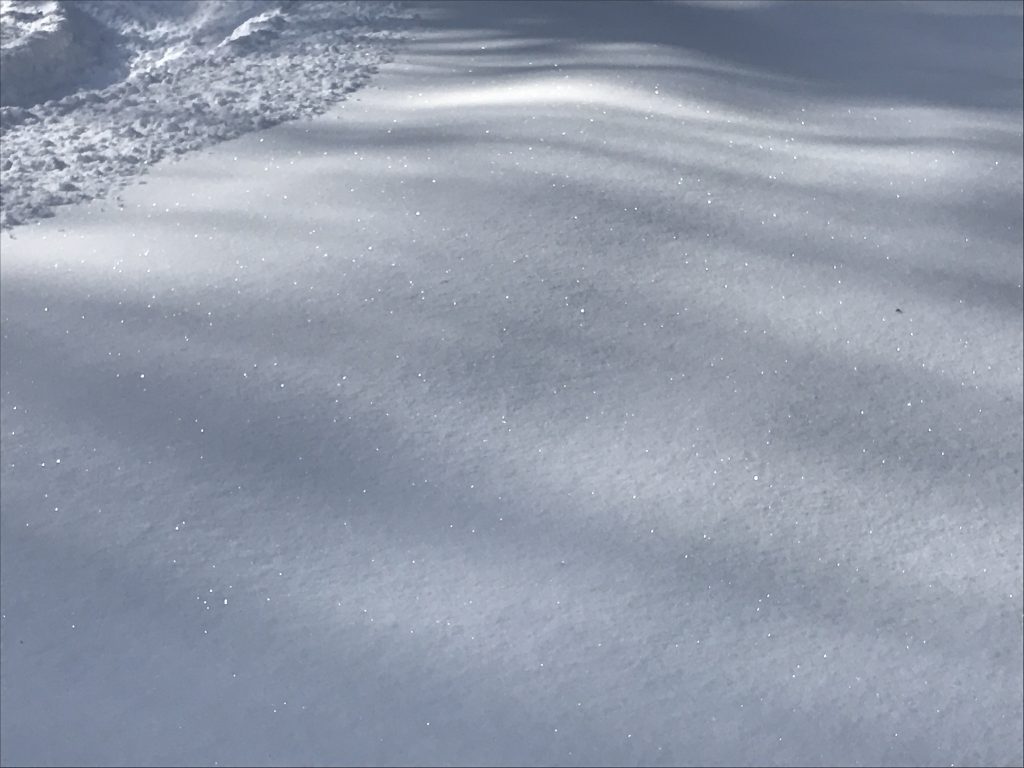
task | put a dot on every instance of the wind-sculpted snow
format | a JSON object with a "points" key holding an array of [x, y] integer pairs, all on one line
{"points": [[95, 92]]}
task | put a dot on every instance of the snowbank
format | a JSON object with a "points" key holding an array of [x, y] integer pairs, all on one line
{"points": [[95, 92]]}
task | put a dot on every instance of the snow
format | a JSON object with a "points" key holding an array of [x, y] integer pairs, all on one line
{"points": [[93, 93], [44, 48], [633, 386]]}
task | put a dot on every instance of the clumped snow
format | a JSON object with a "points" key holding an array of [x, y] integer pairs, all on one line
{"points": [[95, 92]]}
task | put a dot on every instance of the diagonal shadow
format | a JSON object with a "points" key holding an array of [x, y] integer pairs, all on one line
{"points": [[241, 421]]}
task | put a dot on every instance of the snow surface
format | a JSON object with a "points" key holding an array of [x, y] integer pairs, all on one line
{"points": [[607, 384], [95, 91]]}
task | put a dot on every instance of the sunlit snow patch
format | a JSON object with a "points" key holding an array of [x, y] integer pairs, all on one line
{"points": [[257, 29]]}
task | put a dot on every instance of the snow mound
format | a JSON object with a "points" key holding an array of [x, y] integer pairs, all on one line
{"points": [[258, 29], [45, 49], [94, 92]]}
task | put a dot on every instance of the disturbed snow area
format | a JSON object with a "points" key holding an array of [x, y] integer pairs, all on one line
{"points": [[95, 92], [629, 384]]}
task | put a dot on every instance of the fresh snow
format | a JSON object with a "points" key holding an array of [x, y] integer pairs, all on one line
{"points": [[633, 384]]}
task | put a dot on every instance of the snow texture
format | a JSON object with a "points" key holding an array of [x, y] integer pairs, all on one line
{"points": [[606, 384], [95, 92]]}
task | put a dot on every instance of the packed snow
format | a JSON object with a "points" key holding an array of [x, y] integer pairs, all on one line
{"points": [[599, 384]]}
